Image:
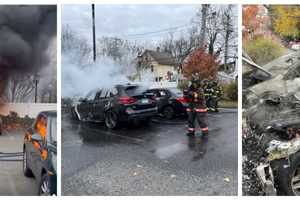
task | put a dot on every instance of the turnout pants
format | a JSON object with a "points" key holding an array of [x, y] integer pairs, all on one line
{"points": [[197, 116]]}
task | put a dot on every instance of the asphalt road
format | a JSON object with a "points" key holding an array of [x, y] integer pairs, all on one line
{"points": [[12, 180], [154, 160]]}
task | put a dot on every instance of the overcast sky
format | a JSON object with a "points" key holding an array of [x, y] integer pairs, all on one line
{"points": [[127, 20]]}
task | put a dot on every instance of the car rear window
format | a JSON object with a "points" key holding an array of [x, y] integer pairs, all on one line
{"points": [[135, 90]]}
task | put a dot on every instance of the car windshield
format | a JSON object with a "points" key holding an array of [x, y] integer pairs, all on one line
{"points": [[134, 90], [176, 92]]}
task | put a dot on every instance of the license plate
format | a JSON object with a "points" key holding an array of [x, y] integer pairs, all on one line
{"points": [[144, 101]]}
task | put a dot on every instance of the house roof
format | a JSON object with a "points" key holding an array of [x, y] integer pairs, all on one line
{"points": [[161, 57]]}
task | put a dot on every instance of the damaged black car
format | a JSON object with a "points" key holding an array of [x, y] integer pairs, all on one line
{"points": [[116, 105], [271, 126]]}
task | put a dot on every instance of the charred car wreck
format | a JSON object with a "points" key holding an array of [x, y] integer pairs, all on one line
{"points": [[117, 104], [271, 126]]}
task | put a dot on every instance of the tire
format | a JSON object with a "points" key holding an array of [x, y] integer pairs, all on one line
{"points": [[44, 186], [168, 112], [26, 170], [289, 176], [111, 120]]}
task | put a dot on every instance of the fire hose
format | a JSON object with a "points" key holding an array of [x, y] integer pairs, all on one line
{"points": [[12, 156]]}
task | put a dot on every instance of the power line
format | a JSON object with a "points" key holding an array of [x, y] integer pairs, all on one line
{"points": [[156, 33]]}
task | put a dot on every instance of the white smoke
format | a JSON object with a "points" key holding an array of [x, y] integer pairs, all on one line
{"points": [[78, 80]]}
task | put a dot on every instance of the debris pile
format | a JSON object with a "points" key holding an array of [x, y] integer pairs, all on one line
{"points": [[253, 154]]}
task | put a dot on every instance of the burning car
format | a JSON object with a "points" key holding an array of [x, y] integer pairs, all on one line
{"points": [[117, 104], [40, 153], [271, 101]]}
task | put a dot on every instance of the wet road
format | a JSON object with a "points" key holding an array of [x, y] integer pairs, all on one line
{"points": [[154, 160], [12, 180]]}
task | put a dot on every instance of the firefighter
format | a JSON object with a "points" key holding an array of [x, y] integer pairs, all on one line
{"points": [[208, 93], [216, 95], [196, 109]]}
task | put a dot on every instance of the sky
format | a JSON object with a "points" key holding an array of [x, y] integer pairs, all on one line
{"points": [[126, 21]]}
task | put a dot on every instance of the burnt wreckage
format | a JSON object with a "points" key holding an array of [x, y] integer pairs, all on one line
{"points": [[271, 126]]}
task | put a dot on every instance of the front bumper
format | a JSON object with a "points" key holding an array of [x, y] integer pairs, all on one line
{"points": [[266, 178]]}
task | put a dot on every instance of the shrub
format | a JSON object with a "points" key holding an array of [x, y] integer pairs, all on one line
{"points": [[262, 50], [230, 91], [183, 84]]}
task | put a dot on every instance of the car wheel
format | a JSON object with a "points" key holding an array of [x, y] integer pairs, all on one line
{"points": [[44, 186], [289, 177], [26, 170], [168, 112], [111, 119]]}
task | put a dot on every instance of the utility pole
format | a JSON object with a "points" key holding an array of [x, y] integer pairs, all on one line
{"points": [[94, 34], [35, 90], [36, 82]]}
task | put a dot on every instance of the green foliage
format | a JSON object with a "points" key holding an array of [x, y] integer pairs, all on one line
{"points": [[183, 84], [14, 121], [262, 50], [230, 91]]}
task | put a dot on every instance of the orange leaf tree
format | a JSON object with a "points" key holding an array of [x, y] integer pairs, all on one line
{"points": [[201, 62], [251, 21]]}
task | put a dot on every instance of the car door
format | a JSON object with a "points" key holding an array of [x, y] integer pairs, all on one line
{"points": [[29, 148], [85, 108], [40, 161], [98, 105], [39, 129]]}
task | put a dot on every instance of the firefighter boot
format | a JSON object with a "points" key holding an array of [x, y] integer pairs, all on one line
{"points": [[191, 132]]}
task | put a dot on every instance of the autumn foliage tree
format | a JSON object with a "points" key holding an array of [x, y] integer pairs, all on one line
{"points": [[286, 20], [201, 62], [251, 21]]}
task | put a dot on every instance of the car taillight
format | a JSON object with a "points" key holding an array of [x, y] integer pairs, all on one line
{"points": [[127, 100], [182, 100]]}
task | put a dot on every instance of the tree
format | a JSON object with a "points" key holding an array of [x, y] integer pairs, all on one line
{"points": [[203, 63], [76, 46], [181, 47], [286, 20], [251, 21], [220, 32], [19, 88], [204, 11], [119, 50], [229, 33]]}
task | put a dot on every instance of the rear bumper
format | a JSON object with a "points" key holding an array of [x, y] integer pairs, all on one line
{"points": [[266, 178], [130, 114]]}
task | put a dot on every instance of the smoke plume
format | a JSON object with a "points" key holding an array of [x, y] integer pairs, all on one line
{"points": [[25, 34]]}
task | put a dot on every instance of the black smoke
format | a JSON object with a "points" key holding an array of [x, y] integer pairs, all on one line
{"points": [[25, 35]]}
